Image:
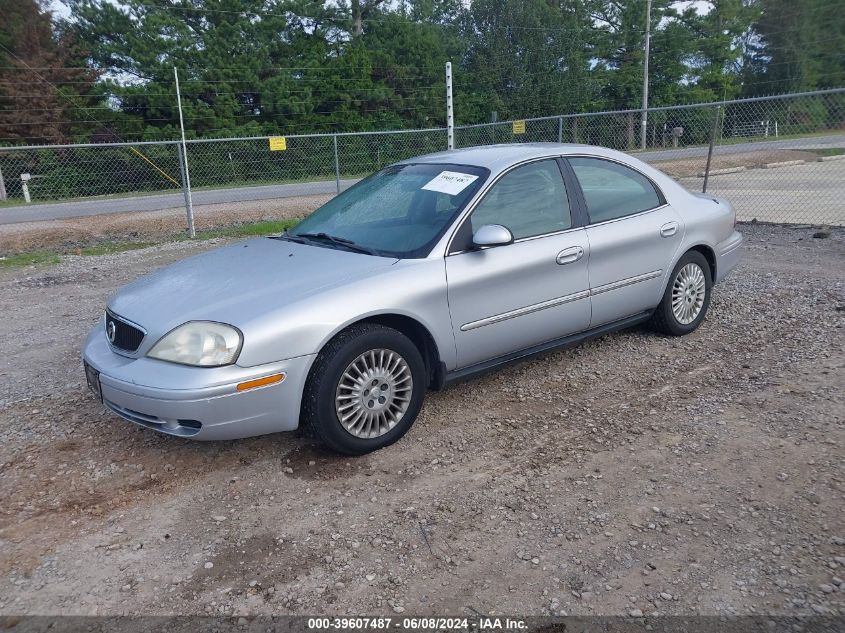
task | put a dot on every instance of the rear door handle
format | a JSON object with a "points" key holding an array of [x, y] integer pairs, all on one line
{"points": [[668, 229], [569, 255]]}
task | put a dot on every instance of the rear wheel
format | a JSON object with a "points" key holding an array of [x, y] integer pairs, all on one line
{"points": [[686, 298], [365, 390]]}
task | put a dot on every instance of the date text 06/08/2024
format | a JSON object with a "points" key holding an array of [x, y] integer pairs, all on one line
{"points": [[417, 623]]}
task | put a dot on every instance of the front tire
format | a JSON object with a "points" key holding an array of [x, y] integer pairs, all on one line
{"points": [[687, 296], [365, 389]]}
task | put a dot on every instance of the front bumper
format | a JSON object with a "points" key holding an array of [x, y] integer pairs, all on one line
{"points": [[728, 254], [197, 402]]}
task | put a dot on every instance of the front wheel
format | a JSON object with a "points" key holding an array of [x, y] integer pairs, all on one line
{"points": [[365, 390], [686, 298]]}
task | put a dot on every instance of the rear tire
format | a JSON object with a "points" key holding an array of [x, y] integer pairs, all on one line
{"points": [[686, 298], [365, 389]]}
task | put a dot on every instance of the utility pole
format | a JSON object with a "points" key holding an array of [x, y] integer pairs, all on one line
{"points": [[644, 122], [450, 112], [183, 163]]}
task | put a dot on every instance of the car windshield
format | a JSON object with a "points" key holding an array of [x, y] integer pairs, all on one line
{"points": [[400, 211]]}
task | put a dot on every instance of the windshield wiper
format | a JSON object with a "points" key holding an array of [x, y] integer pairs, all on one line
{"points": [[341, 241], [285, 235]]}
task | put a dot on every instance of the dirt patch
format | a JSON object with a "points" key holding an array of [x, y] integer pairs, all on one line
{"points": [[694, 475], [145, 226], [686, 167]]}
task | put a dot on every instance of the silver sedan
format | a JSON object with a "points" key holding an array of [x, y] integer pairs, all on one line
{"points": [[426, 272]]}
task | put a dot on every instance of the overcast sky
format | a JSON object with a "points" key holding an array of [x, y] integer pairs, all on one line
{"points": [[59, 9]]}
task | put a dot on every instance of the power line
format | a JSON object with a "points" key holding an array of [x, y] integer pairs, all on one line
{"points": [[69, 122], [258, 69], [787, 79], [258, 92]]}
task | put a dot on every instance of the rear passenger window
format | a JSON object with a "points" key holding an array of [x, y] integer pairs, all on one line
{"points": [[613, 190], [529, 200]]}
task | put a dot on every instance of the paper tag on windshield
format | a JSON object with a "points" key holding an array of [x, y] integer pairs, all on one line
{"points": [[450, 182]]}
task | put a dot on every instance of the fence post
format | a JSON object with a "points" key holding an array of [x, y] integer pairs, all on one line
{"points": [[185, 191], [644, 116], [713, 134], [560, 129], [183, 162], [450, 112], [2, 186], [336, 165]]}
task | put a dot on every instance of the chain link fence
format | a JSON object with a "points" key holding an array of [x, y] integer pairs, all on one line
{"points": [[777, 159]]}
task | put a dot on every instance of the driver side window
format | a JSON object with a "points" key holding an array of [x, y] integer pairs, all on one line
{"points": [[529, 200]]}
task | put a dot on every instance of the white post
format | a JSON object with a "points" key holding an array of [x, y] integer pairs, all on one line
{"points": [[189, 202], [450, 112], [776, 133], [25, 188], [2, 186], [644, 122]]}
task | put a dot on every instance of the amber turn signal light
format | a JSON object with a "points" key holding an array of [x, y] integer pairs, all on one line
{"points": [[260, 382]]}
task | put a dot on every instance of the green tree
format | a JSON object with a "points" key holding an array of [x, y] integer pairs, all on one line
{"points": [[226, 51], [251, 67], [43, 78], [719, 31], [799, 45], [620, 52], [524, 58]]}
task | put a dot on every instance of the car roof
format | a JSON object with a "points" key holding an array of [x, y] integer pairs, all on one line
{"points": [[499, 157]]}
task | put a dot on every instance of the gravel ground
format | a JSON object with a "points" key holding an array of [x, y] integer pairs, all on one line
{"points": [[634, 474]]}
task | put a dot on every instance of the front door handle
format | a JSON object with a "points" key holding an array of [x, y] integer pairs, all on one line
{"points": [[668, 229], [569, 255]]}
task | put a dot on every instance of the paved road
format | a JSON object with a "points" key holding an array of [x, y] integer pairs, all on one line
{"points": [[812, 193], [815, 142], [105, 206]]}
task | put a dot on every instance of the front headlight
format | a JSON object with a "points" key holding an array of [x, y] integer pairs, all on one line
{"points": [[200, 343]]}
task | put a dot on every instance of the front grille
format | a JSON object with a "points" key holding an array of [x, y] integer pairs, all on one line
{"points": [[122, 335]]}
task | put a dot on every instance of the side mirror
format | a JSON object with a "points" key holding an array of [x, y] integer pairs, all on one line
{"points": [[492, 235]]}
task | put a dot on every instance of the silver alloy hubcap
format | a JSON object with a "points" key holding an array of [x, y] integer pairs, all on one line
{"points": [[688, 291], [373, 393]]}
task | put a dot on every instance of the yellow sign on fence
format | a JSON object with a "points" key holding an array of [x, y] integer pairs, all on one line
{"points": [[519, 127], [278, 143]]}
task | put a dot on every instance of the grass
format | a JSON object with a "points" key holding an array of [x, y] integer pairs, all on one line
{"points": [[29, 259], [827, 151], [109, 248], [265, 227], [46, 258]]}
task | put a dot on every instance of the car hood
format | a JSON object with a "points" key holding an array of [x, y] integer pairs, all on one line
{"points": [[236, 283]]}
